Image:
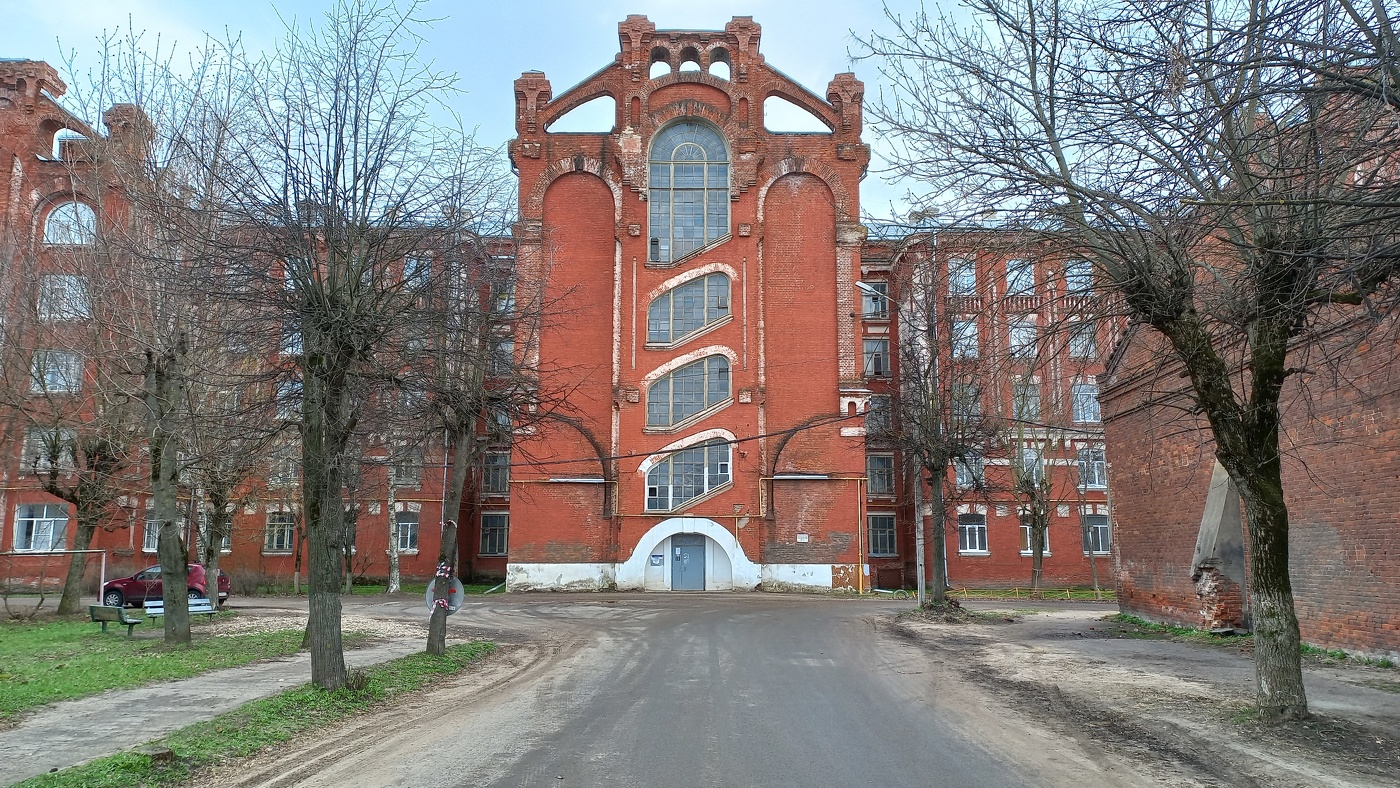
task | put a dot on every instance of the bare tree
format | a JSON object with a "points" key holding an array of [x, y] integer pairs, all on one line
{"points": [[1212, 181], [341, 178]]}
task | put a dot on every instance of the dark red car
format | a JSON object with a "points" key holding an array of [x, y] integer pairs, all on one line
{"points": [[146, 585]]}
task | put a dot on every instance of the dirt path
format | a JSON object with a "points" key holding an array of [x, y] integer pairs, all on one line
{"points": [[1172, 708]]}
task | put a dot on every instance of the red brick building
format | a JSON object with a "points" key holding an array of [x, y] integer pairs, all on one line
{"points": [[706, 269], [720, 358], [1181, 552], [58, 203], [1020, 344]]}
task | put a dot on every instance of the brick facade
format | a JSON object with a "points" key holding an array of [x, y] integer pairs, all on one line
{"points": [[1341, 465]]}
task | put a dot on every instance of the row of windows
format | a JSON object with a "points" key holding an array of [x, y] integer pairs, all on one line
{"points": [[965, 404], [1095, 535], [1022, 341], [970, 470], [43, 527], [1020, 277]]}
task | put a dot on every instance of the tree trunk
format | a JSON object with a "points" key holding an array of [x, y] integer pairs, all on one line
{"points": [[393, 586], [161, 390], [218, 526], [462, 460], [324, 438], [1277, 643], [71, 600], [939, 530]]}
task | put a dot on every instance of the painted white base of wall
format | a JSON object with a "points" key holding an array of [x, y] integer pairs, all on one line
{"points": [[560, 577], [786, 576]]}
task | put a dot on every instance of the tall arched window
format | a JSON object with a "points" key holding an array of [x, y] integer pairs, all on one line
{"points": [[687, 391], [72, 223], [689, 193], [685, 309], [687, 475]]}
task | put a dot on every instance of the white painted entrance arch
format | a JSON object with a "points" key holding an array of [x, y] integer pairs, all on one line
{"points": [[726, 566]]}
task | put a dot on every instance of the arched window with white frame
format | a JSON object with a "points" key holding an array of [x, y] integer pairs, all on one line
{"points": [[687, 474], [689, 190], [71, 224]]}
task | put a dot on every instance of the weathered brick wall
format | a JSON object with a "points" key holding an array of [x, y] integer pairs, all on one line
{"points": [[1342, 483]]}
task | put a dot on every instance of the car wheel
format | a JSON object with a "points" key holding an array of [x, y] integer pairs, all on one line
{"points": [[113, 598], [196, 594]]}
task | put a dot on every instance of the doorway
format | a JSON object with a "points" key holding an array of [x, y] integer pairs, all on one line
{"points": [[688, 562]]}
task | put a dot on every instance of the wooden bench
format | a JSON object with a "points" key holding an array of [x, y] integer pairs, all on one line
{"points": [[198, 607], [104, 614]]}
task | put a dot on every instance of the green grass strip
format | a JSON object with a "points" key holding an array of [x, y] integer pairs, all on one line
{"points": [[260, 724], [61, 660]]}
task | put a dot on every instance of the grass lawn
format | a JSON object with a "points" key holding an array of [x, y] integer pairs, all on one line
{"points": [[51, 661], [263, 723]]}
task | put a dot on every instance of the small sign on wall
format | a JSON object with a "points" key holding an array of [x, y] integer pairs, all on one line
{"points": [[801, 538], [658, 560]]}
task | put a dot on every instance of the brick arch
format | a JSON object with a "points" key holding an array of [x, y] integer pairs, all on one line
{"points": [[818, 169], [534, 206], [574, 99], [703, 77]]}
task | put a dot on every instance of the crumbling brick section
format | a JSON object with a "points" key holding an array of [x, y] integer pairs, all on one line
{"points": [[1222, 600]]}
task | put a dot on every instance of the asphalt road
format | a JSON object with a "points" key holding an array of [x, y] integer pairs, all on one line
{"points": [[676, 690]]}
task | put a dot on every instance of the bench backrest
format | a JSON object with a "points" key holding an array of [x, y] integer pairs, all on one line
{"points": [[157, 607], [104, 613]]}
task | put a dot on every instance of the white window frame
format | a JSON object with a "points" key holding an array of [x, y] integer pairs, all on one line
{"points": [[36, 440], [1020, 277], [1079, 277], [71, 223], [63, 297], [875, 353], [885, 543], [1021, 338], [40, 519], [970, 472], [1097, 535], [150, 533], [962, 276], [498, 530], [964, 344], [55, 372], [1032, 464], [281, 530], [1093, 468], [715, 473], [974, 526], [1084, 399], [1026, 540], [715, 391], [406, 531], [875, 302]]}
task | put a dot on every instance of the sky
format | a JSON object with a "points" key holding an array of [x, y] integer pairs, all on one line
{"points": [[488, 44]]}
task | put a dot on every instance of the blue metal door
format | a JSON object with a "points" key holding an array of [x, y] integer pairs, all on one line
{"points": [[687, 562]]}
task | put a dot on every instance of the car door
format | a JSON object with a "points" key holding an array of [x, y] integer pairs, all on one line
{"points": [[148, 584]]}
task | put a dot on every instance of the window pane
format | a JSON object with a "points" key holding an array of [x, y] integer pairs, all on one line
{"points": [[876, 305], [689, 189], [879, 471], [495, 528], [1082, 342], [71, 223], [406, 526], [1021, 336], [1020, 277], [1086, 402], [1079, 277], [687, 391], [965, 339], [687, 474], [882, 535], [877, 357], [962, 277], [1025, 401], [63, 297]]}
